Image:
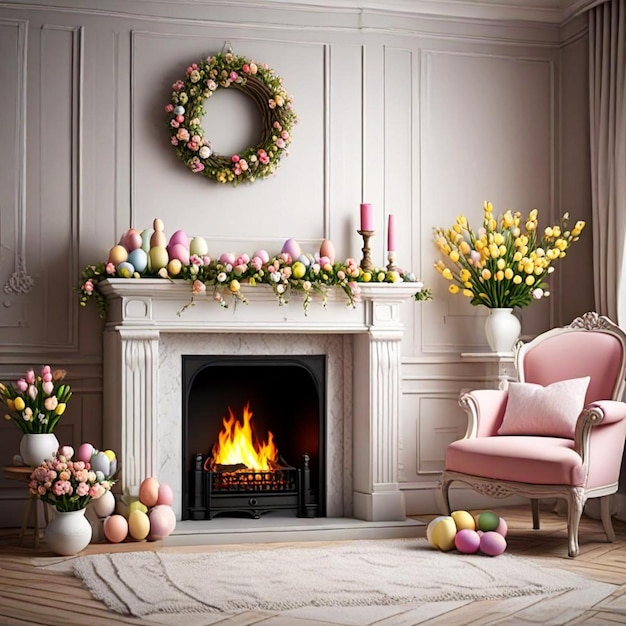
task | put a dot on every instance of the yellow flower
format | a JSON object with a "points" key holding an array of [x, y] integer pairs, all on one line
{"points": [[517, 279], [60, 408], [486, 274], [499, 275], [530, 280], [447, 273], [453, 288], [10, 404], [454, 256], [464, 248], [19, 404], [468, 293], [508, 273], [465, 275], [498, 239], [507, 219], [501, 264]]}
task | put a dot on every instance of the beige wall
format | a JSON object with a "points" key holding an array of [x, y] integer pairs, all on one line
{"points": [[424, 118]]}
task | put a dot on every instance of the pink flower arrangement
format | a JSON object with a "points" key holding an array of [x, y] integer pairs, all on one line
{"points": [[67, 485], [36, 402]]}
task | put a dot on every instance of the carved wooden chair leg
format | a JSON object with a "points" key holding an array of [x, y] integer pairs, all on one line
{"points": [[605, 516], [445, 487], [534, 505], [575, 504]]}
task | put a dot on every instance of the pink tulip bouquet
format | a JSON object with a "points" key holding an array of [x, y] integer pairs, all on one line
{"points": [[68, 485], [36, 403]]}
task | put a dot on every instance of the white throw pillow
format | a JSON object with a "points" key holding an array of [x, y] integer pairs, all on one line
{"points": [[551, 411]]}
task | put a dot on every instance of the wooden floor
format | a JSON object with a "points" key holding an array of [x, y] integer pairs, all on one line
{"points": [[31, 594]]}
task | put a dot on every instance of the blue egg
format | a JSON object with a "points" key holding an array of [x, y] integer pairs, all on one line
{"points": [[138, 258], [304, 259], [125, 269], [179, 110]]}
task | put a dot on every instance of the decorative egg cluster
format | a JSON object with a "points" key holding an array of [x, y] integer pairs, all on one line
{"points": [[460, 530], [151, 517]]}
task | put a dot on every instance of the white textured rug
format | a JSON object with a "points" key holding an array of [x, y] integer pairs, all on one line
{"points": [[358, 573]]}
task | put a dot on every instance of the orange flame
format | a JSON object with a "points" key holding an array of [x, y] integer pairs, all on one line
{"points": [[237, 444]]}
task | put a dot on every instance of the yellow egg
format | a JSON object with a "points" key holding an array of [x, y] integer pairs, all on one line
{"points": [[463, 520], [118, 254], [136, 505], [138, 525], [115, 528], [110, 454], [158, 258], [149, 491], [174, 267]]}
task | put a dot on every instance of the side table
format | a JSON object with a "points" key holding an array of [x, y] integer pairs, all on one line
{"points": [[22, 473]]}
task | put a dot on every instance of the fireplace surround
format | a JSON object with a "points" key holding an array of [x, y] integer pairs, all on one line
{"points": [[146, 334]]}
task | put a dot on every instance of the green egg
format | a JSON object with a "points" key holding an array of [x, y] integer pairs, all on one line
{"points": [[488, 521]]}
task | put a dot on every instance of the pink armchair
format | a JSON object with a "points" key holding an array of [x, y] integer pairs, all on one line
{"points": [[557, 433]]}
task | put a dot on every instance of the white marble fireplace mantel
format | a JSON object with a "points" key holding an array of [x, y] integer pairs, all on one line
{"points": [[141, 351]]}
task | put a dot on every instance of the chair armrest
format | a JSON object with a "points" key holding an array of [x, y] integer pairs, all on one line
{"points": [[485, 409], [596, 414]]}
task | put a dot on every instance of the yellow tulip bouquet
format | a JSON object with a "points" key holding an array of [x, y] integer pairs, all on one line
{"points": [[505, 263]]}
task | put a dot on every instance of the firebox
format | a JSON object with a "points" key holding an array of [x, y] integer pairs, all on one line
{"points": [[254, 436]]}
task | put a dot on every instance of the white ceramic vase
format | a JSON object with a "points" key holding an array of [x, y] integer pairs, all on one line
{"points": [[68, 532], [35, 448], [502, 329]]}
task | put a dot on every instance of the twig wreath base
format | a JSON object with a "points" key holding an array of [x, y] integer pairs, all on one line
{"points": [[186, 109]]}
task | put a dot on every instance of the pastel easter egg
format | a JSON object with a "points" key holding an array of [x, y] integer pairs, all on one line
{"points": [[263, 255], [131, 239], [180, 236], [157, 224], [104, 505], [228, 257], [158, 240], [492, 543], [180, 252], [463, 519], [292, 248], [431, 526], [118, 254], [327, 249], [100, 463], [298, 269], [467, 541], [198, 246], [125, 269], [174, 267], [179, 110], [443, 533], [139, 259], [138, 525], [162, 522], [488, 521], [115, 528], [165, 495], [503, 527], [145, 239], [305, 260], [149, 491], [137, 505], [158, 258], [84, 452]]}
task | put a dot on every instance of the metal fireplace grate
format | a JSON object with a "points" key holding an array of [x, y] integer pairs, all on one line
{"points": [[237, 490]]}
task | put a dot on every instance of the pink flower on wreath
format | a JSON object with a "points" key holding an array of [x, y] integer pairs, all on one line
{"points": [[182, 134], [174, 124], [245, 68], [196, 165], [178, 85], [280, 143], [173, 140], [233, 76], [256, 263], [277, 126], [169, 108], [193, 145], [198, 287], [194, 259], [235, 158]]}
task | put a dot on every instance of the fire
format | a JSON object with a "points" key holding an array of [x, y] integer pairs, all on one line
{"points": [[236, 444]]}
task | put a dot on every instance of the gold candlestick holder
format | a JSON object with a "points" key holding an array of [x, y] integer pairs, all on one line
{"points": [[391, 258], [366, 261]]}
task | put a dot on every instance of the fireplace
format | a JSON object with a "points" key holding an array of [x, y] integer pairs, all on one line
{"points": [[253, 435], [146, 335]]}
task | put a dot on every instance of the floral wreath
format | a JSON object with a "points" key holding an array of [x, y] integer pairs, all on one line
{"points": [[186, 109]]}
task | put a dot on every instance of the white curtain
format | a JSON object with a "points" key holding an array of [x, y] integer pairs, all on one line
{"points": [[607, 99]]}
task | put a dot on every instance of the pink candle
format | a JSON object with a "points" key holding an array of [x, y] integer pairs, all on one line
{"points": [[367, 217], [391, 234]]}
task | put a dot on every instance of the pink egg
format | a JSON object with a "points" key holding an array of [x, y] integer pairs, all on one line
{"points": [[492, 543], [162, 522], [131, 239], [228, 257], [327, 249], [115, 528], [263, 255], [467, 541], [165, 495], [180, 252], [503, 527], [180, 236], [149, 491], [292, 248], [84, 453]]}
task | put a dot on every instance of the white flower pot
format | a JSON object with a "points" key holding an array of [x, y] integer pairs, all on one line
{"points": [[35, 448], [68, 532], [502, 329]]}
